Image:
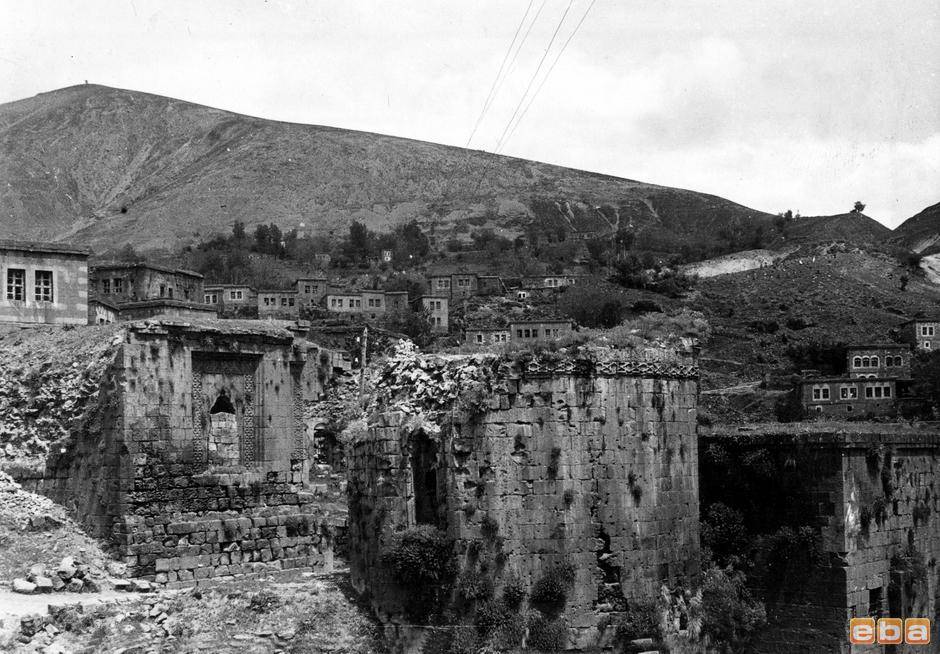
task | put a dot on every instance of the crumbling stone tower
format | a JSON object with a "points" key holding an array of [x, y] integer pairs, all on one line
{"points": [[582, 466]]}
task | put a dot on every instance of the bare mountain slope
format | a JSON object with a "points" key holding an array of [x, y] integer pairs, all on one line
{"points": [[921, 232], [852, 227], [106, 166]]}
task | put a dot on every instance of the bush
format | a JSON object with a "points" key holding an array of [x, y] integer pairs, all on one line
{"points": [[474, 585], [550, 591], [723, 532], [421, 561], [732, 616], [547, 634], [640, 620], [513, 591]]}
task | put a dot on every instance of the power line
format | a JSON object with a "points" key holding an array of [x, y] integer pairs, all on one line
{"points": [[538, 68], [549, 72], [490, 95]]}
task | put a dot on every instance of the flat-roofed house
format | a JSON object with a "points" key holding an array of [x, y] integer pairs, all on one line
{"points": [[135, 282], [43, 283], [849, 397], [523, 331], [486, 335], [278, 303], [231, 299], [343, 301], [311, 290]]}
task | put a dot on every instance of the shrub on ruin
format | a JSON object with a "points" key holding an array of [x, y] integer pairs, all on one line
{"points": [[474, 586], [547, 634], [723, 532], [732, 617], [550, 591], [640, 620], [421, 560], [513, 590]]}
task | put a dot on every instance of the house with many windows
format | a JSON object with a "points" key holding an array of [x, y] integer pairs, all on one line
{"points": [[135, 282], [43, 283], [231, 299], [437, 309], [879, 360], [848, 397]]}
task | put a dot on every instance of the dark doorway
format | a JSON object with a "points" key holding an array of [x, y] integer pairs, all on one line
{"points": [[424, 469]]}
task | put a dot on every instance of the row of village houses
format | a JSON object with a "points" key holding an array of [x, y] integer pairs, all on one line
{"points": [[53, 284]]}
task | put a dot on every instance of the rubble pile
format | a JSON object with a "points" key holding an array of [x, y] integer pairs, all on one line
{"points": [[20, 509], [49, 380]]}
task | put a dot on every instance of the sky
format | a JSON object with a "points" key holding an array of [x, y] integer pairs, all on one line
{"points": [[774, 104]]}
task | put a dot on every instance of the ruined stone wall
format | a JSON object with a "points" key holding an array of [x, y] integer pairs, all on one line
{"points": [[592, 470], [200, 459], [870, 492]]}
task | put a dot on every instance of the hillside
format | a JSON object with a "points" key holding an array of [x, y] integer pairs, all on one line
{"points": [[851, 227], [922, 231], [763, 321], [104, 167]]}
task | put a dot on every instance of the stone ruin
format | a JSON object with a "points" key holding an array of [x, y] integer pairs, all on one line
{"points": [[582, 465], [869, 494], [193, 461]]}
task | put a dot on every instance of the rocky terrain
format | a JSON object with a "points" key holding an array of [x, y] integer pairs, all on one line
{"points": [[921, 233]]}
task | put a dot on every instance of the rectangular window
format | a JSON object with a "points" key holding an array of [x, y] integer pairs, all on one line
{"points": [[548, 333], [283, 301], [518, 333], [869, 392], [16, 284], [290, 301], [927, 330], [878, 390], [817, 394], [843, 393], [887, 391], [358, 304], [44, 286], [926, 345], [162, 290], [307, 289], [118, 285], [106, 286], [171, 292], [378, 301]]}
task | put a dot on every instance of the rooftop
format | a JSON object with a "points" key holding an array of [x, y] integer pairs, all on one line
{"points": [[40, 247], [122, 265]]}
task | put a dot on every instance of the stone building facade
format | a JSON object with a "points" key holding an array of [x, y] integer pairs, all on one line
{"points": [[135, 282], [870, 494], [437, 308], [196, 462], [43, 283], [849, 397], [923, 332], [585, 465], [879, 360]]}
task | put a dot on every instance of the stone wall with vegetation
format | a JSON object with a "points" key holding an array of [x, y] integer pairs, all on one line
{"points": [[829, 521], [552, 492]]}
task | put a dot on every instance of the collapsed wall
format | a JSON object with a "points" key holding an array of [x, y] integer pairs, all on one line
{"points": [[576, 467], [842, 517], [192, 459]]}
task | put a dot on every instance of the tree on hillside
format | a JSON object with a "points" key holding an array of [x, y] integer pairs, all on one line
{"points": [[359, 244], [859, 207], [592, 306]]}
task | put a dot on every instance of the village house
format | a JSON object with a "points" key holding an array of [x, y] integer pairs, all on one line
{"points": [[135, 282], [278, 303], [550, 281], [102, 312], [437, 308], [486, 335], [311, 290], [231, 299], [43, 283], [524, 331], [847, 397], [924, 333], [879, 360], [343, 301], [371, 304]]}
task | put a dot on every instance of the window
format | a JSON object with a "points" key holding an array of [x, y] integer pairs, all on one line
{"points": [[118, 285], [106, 286], [44, 286], [820, 392], [927, 330], [332, 302], [866, 362], [926, 345], [518, 333], [889, 362], [307, 289], [844, 393], [869, 392], [874, 362], [378, 301], [479, 338], [290, 301], [162, 290], [898, 361], [358, 303], [527, 333], [548, 332], [235, 295], [887, 391], [171, 292], [283, 301], [857, 362], [16, 284]]}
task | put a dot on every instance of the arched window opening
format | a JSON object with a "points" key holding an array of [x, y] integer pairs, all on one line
{"points": [[222, 405]]}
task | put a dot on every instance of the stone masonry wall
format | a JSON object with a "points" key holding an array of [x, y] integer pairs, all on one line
{"points": [[871, 490], [149, 480], [595, 471]]}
